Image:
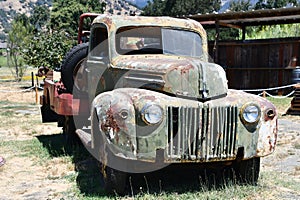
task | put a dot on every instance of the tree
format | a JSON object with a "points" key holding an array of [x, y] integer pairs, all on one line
{"points": [[17, 37], [180, 7], [269, 4], [240, 5], [39, 17], [65, 14], [23, 19], [273, 30], [43, 47], [156, 8], [230, 33], [236, 5], [49, 45], [47, 49]]}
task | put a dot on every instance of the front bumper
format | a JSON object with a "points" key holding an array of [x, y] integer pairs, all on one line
{"points": [[191, 131]]}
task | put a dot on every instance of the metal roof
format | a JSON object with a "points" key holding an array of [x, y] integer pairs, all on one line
{"points": [[250, 18]]}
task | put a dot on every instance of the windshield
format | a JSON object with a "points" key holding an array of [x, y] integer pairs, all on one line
{"points": [[157, 40]]}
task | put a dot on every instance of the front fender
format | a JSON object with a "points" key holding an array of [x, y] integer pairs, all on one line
{"points": [[116, 122], [118, 114], [267, 136]]}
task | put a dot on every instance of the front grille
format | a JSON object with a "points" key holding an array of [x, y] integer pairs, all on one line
{"points": [[202, 134]]}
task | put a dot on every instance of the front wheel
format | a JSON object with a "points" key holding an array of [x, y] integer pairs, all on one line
{"points": [[69, 129], [115, 181], [247, 171]]}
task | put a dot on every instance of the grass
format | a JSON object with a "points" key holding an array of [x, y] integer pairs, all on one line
{"points": [[278, 180], [88, 182], [3, 59], [9, 115], [26, 148], [8, 74], [264, 190], [297, 145], [281, 104], [87, 178]]}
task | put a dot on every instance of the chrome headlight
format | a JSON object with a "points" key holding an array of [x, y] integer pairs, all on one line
{"points": [[152, 114], [250, 113]]}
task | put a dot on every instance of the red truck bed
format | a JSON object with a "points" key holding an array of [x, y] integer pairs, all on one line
{"points": [[60, 102]]}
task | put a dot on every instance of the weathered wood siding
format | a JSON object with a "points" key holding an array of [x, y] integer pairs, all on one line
{"points": [[254, 64]]}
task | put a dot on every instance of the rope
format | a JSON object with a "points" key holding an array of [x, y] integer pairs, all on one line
{"points": [[250, 90], [26, 90], [278, 97], [268, 89]]}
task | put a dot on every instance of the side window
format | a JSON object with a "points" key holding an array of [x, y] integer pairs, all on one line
{"points": [[99, 41]]}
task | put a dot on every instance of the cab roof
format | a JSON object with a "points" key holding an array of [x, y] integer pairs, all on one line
{"points": [[117, 21]]}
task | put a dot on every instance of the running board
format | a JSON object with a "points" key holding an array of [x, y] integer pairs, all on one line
{"points": [[85, 137]]}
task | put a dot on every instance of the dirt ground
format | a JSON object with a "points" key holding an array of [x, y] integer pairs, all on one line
{"points": [[23, 178]]}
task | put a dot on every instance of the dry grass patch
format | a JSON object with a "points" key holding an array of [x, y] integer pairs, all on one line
{"points": [[297, 144]]}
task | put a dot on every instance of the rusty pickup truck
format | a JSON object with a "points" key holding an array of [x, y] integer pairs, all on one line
{"points": [[141, 94]]}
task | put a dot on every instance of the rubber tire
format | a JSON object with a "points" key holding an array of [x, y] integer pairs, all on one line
{"points": [[71, 60], [115, 181], [70, 135], [247, 171]]}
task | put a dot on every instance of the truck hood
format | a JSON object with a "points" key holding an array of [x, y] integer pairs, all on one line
{"points": [[179, 76]]}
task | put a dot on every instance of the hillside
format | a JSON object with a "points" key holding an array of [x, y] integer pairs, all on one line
{"points": [[120, 7], [10, 8], [139, 3]]}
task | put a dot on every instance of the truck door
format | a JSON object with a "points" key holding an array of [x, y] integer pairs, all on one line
{"points": [[98, 62]]}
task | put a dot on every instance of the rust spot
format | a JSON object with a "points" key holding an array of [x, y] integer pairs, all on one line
{"points": [[186, 69], [108, 21], [151, 98], [102, 80], [257, 151], [111, 124], [271, 146]]}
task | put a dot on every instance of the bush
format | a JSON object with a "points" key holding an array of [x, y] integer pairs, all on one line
{"points": [[47, 49]]}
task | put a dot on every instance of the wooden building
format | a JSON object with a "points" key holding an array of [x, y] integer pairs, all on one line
{"points": [[254, 64]]}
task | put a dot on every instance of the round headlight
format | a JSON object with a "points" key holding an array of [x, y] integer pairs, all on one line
{"points": [[152, 114], [250, 113]]}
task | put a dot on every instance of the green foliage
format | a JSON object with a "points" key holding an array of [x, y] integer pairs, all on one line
{"points": [[47, 49], [259, 32], [17, 38], [269, 4], [281, 104], [23, 19], [225, 34], [65, 14], [39, 17], [49, 45], [44, 48], [156, 8], [275, 31], [3, 60], [240, 5], [180, 7], [27, 148]]}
